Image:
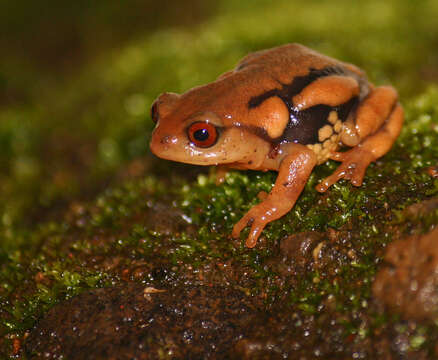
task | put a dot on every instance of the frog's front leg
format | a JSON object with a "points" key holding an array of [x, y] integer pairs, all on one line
{"points": [[220, 174], [295, 169], [378, 123]]}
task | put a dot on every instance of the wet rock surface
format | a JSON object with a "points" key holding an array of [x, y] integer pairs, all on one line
{"points": [[196, 322], [176, 297], [299, 248], [137, 322], [313, 250], [195, 318], [408, 282]]}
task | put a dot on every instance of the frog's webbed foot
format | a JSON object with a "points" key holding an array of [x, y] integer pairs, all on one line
{"points": [[354, 164]]}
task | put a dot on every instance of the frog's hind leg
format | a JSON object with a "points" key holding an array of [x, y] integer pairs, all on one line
{"points": [[378, 123]]}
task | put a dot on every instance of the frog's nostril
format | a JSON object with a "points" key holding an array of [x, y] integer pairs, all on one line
{"points": [[168, 139], [165, 140]]}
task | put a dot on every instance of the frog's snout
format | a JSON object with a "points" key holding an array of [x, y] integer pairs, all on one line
{"points": [[161, 143]]}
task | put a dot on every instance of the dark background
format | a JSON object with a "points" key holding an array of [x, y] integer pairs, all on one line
{"points": [[48, 39]]}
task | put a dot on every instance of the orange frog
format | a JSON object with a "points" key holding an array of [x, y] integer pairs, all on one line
{"points": [[285, 109]]}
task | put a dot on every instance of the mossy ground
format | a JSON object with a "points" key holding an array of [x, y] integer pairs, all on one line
{"points": [[85, 205]]}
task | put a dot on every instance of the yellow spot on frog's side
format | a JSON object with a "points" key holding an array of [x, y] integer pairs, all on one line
{"points": [[329, 145], [325, 132], [325, 149], [338, 126], [272, 115], [333, 117], [316, 148]]}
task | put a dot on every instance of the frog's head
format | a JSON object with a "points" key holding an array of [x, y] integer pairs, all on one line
{"points": [[189, 130]]}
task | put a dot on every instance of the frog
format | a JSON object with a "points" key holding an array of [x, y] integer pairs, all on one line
{"points": [[285, 109]]}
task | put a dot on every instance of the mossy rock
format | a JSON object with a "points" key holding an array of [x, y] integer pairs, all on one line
{"points": [[86, 205]]}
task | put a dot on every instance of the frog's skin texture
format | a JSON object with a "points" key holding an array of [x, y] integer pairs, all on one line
{"points": [[285, 109]]}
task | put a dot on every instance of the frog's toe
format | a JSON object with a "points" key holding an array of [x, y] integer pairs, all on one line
{"points": [[256, 229], [353, 167], [337, 156], [330, 180], [240, 225], [257, 224], [358, 174]]}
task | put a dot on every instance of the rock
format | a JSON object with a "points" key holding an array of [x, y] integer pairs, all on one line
{"points": [[408, 282], [300, 249], [137, 322]]}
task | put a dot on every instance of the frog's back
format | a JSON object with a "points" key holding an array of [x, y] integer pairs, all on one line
{"points": [[290, 60], [297, 70]]}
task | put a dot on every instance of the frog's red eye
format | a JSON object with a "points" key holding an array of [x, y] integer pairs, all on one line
{"points": [[154, 112], [202, 134]]}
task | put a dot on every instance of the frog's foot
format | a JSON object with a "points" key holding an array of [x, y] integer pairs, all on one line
{"points": [[356, 160], [354, 164], [294, 171], [258, 217]]}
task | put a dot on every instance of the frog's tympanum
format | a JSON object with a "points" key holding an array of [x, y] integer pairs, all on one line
{"points": [[285, 109]]}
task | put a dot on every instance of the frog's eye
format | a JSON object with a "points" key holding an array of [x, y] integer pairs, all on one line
{"points": [[154, 112], [202, 134]]}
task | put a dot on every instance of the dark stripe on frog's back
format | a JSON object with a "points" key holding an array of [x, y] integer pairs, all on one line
{"points": [[303, 125], [288, 91]]}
